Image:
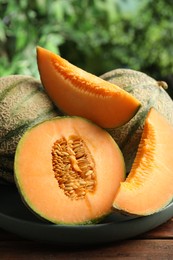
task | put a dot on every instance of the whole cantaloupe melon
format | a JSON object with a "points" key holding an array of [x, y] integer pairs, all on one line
{"points": [[23, 103], [150, 93]]}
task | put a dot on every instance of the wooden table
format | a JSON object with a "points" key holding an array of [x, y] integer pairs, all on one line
{"points": [[156, 244]]}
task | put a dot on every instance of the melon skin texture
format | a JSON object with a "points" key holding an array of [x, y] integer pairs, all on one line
{"points": [[150, 93], [79, 93], [23, 103], [68, 170], [148, 187]]}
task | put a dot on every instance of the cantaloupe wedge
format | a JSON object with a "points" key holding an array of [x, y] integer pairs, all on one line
{"points": [[77, 92], [149, 185]]}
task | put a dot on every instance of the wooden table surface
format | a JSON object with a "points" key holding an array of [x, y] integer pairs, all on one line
{"points": [[156, 244]]}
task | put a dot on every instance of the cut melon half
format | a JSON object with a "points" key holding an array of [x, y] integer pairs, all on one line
{"points": [[149, 185], [77, 92], [68, 170]]}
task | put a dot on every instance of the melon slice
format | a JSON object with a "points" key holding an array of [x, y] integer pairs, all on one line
{"points": [[149, 185], [77, 92], [68, 170]]}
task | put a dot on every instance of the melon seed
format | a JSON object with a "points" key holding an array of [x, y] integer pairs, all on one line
{"points": [[74, 167]]}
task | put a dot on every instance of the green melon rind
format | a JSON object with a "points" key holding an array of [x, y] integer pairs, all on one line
{"points": [[9, 141], [149, 92], [14, 107], [23, 125], [23, 103]]}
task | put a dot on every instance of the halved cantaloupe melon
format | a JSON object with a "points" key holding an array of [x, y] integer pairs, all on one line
{"points": [[77, 92], [68, 170], [149, 185]]}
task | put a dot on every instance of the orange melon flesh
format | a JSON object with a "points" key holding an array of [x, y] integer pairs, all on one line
{"points": [[36, 180], [148, 187], [77, 92]]}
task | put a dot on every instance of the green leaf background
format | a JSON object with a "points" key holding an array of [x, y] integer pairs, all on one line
{"points": [[95, 35]]}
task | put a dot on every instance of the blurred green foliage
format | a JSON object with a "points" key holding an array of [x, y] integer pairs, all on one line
{"points": [[95, 35]]}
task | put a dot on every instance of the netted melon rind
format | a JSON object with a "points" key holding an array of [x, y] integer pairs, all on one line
{"points": [[150, 94]]}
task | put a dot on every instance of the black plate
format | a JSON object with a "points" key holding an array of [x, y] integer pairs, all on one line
{"points": [[15, 217]]}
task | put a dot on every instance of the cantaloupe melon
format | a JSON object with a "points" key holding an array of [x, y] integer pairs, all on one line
{"points": [[77, 92], [151, 93], [68, 170], [23, 103], [149, 185]]}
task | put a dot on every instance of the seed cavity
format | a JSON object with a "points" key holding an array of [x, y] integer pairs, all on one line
{"points": [[74, 167]]}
